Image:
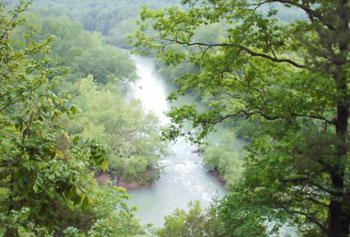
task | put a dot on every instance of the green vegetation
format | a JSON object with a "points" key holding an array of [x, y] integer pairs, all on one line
{"points": [[225, 157], [49, 115], [130, 137], [82, 52], [274, 72], [292, 78], [196, 222], [113, 19], [46, 176]]}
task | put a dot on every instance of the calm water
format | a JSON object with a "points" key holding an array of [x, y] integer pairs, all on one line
{"points": [[184, 178]]}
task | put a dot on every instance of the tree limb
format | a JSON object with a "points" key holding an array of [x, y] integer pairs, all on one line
{"points": [[310, 218], [310, 12], [241, 48]]}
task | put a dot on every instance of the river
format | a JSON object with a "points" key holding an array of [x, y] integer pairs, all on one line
{"points": [[184, 178]]}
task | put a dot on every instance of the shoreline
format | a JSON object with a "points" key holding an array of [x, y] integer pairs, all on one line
{"points": [[103, 178], [217, 176], [132, 185]]}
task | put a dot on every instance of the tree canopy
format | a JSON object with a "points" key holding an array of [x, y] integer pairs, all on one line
{"points": [[294, 78], [47, 185]]}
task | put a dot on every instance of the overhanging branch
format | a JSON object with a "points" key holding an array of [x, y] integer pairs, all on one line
{"points": [[310, 12], [241, 48]]}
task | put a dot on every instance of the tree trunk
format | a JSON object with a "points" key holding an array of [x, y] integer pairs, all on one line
{"points": [[338, 224], [338, 220]]}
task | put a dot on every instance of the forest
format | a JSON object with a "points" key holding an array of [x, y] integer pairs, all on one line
{"points": [[174, 118]]}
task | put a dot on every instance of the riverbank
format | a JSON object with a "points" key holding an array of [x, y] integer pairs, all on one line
{"points": [[213, 172], [133, 185], [104, 178], [217, 176]]}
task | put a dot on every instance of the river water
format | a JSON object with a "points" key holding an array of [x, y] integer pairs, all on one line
{"points": [[184, 177]]}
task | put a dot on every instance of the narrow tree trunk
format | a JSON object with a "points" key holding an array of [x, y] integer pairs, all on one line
{"points": [[338, 224], [338, 221], [346, 209], [335, 225]]}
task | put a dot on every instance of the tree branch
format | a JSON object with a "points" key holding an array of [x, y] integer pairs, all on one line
{"points": [[310, 218], [310, 12], [314, 117], [241, 48]]}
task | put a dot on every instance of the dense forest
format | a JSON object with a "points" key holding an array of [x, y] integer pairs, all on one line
{"points": [[266, 105]]}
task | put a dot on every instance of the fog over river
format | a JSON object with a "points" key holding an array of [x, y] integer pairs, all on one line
{"points": [[184, 177]]}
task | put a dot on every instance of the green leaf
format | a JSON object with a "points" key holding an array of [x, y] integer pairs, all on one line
{"points": [[85, 204], [59, 154], [35, 188]]}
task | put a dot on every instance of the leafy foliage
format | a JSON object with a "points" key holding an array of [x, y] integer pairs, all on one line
{"points": [[130, 137], [34, 171], [82, 52], [46, 177], [293, 77], [224, 158], [196, 222], [96, 15]]}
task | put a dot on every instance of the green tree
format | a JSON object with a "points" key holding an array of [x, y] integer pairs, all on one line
{"points": [[130, 136], [46, 177], [294, 78], [119, 34], [224, 158], [106, 64], [197, 222], [82, 52], [70, 38], [118, 222]]}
